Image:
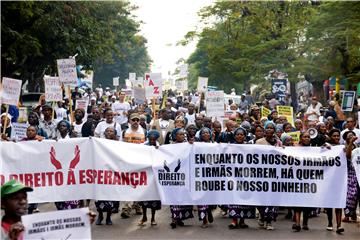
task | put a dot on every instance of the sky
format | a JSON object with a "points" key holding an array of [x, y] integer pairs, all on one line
{"points": [[165, 23]]}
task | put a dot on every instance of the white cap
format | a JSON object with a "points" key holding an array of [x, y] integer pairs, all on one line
{"points": [[93, 98]]}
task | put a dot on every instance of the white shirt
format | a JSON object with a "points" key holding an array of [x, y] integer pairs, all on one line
{"points": [[355, 130], [190, 118], [60, 114], [316, 109], [163, 126], [102, 126], [119, 108], [77, 128]]}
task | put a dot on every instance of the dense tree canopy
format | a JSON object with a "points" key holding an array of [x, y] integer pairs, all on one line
{"points": [[35, 34], [246, 40]]}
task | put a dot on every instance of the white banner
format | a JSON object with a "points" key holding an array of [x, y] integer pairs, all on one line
{"points": [[356, 162], [53, 90], [251, 175], [80, 168], [11, 89], [202, 84], [67, 71], [81, 104], [153, 85], [116, 81], [66, 224], [215, 104]]}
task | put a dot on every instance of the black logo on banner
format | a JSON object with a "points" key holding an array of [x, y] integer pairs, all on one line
{"points": [[168, 178]]}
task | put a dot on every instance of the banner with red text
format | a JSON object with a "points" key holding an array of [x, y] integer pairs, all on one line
{"points": [[204, 173], [80, 168]]}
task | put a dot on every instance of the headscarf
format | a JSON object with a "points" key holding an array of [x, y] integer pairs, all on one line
{"points": [[246, 125], [279, 128], [153, 133], [240, 129], [174, 132], [66, 123], [284, 137], [202, 130], [267, 123]]}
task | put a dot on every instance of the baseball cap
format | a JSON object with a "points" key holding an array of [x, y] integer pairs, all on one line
{"points": [[134, 115], [13, 186], [46, 106]]}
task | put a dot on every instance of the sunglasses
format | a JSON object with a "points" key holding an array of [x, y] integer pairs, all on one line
{"points": [[135, 120]]}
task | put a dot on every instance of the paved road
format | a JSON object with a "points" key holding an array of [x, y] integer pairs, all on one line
{"points": [[128, 229]]}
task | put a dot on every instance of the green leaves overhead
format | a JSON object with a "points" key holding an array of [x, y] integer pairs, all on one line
{"points": [[247, 39]]}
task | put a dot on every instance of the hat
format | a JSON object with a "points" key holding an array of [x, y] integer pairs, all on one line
{"points": [[93, 98], [134, 115], [13, 186], [113, 97], [46, 107], [6, 114]]}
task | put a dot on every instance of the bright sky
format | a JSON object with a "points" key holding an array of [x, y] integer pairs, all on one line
{"points": [[165, 23]]}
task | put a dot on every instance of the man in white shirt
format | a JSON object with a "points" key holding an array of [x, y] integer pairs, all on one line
{"points": [[350, 123], [190, 115], [120, 110], [77, 125], [61, 113], [313, 111], [109, 122]]}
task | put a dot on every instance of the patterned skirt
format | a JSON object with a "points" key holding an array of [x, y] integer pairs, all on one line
{"points": [[67, 205], [241, 211], [154, 205], [107, 206], [204, 211], [181, 212], [268, 213], [352, 196]]}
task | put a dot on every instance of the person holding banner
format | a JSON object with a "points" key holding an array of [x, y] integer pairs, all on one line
{"points": [[33, 120], [62, 130], [334, 139], [107, 206], [109, 122], [179, 212], [205, 214], [352, 197], [304, 142], [238, 213], [268, 213], [152, 137]]}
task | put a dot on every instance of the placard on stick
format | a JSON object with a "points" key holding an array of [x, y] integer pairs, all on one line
{"points": [[67, 71], [53, 91], [11, 89]]}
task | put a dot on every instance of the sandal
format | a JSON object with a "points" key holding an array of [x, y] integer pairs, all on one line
{"points": [[233, 226], [142, 222], [340, 230], [153, 223]]}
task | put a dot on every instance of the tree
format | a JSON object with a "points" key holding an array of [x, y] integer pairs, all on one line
{"points": [[35, 34]]}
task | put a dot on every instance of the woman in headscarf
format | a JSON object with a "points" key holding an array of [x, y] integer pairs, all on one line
{"points": [[304, 142], [179, 212], [107, 206], [191, 132], [334, 139], [286, 140], [152, 136], [179, 122], [352, 196], [321, 136], [205, 214], [63, 130], [238, 213], [268, 213]]}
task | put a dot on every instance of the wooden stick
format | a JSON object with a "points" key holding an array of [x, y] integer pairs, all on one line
{"points": [[70, 105], [53, 111], [153, 107], [5, 122]]}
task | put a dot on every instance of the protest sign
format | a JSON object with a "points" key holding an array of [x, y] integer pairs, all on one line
{"points": [[202, 84], [348, 101], [23, 115], [356, 162], [265, 112], [128, 84], [66, 224], [295, 136], [132, 77], [251, 175], [215, 104], [73, 169], [18, 130], [139, 82], [139, 95], [153, 85], [183, 71], [116, 81], [286, 111], [53, 91], [67, 71], [81, 104], [11, 89], [181, 85], [278, 87]]}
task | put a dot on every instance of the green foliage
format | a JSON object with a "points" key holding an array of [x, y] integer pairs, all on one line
{"points": [[248, 39], [35, 34]]}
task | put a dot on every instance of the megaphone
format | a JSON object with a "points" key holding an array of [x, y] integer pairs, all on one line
{"points": [[312, 132]]}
